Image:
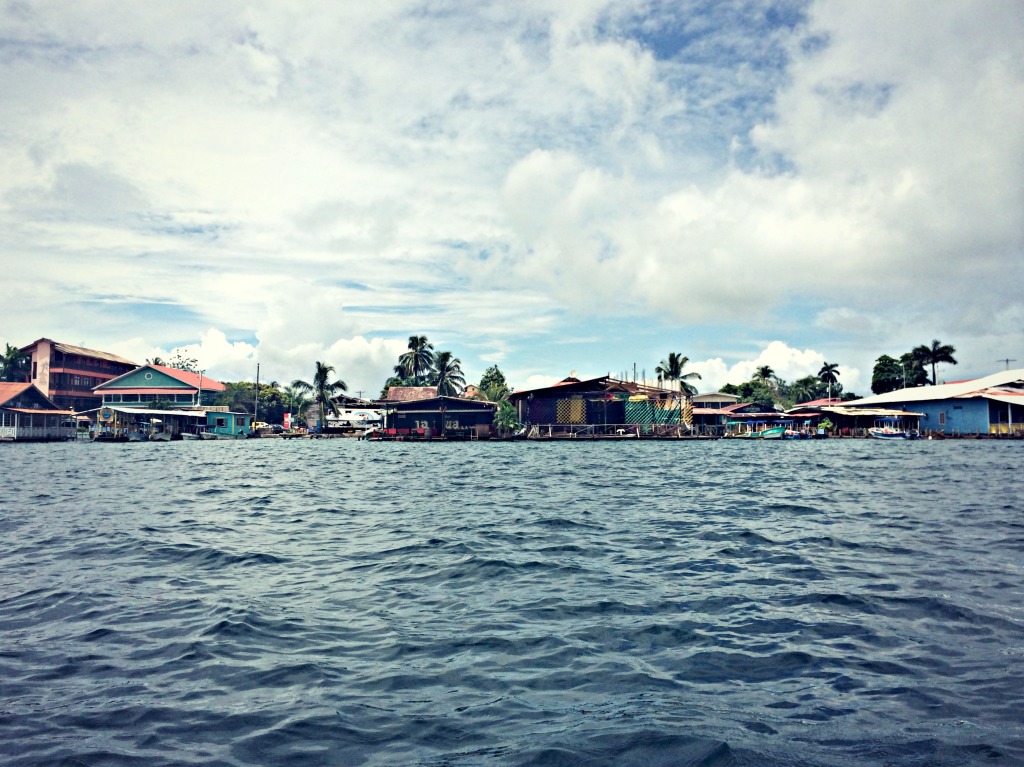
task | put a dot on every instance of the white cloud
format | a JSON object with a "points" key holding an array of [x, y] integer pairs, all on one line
{"points": [[788, 363], [308, 181]]}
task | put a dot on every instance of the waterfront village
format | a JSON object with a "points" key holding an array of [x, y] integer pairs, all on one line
{"points": [[53, 391]]}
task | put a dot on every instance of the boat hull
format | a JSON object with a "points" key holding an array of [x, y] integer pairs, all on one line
{"points": [[887, 434]]}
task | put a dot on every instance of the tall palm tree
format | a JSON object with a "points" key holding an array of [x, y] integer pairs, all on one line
{"points": [[14, 365], [671, 369], [934, 354], [322, 388], [448, 374], [418, 361], [829, 374], [765, 375]]}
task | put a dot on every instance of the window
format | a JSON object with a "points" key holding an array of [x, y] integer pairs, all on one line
{"points": [[221, 422], [942, 418]]}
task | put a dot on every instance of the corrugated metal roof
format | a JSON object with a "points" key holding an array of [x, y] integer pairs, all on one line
{"points": [[1009, 398], [9, 391], [39, 412], [410, 393], [944, 391], [82, 351], [870, 412]]}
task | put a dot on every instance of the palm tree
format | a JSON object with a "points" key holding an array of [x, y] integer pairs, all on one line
{"points": [[416, 362], [765, 375], [448, 374], [934, 354], [829, 374], [14, 365], [671, 369], [322, 389], [298, 400]]}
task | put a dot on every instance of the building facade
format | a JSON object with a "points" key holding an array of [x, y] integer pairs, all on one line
{"points": [[988, 406], [68, 375]]}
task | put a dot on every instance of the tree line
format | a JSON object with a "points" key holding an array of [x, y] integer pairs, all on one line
{"points": [[421, 365]]}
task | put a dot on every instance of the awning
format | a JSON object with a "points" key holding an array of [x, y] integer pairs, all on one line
{"points": [[147, 411], [871, 412], [30, 411]]}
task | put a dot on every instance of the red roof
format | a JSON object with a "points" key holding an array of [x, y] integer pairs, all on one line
{"points": [[9, 391], [410, 393], [190, 378], [823, 402]]}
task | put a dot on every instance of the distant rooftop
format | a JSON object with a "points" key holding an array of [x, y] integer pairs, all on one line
{"points": [[82, 351]]}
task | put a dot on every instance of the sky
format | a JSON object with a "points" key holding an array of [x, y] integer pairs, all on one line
{"points": [[552, 186]]}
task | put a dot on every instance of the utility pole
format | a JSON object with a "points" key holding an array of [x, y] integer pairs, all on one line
{"points": [[1007, 360]]}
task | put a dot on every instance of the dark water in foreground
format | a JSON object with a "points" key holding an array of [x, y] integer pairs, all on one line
{"points": [[348, 603]]}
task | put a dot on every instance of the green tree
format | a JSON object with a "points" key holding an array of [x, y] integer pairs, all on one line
{"points": [[237, 396], [14, 365], [272, 401], [505, 417], [447, 375], [887, 375], [829, 374], [419, 360], [322, 389], [752, 391], [913, 370], [806, 389], [493, 386], [935, 354], [671, 369]]}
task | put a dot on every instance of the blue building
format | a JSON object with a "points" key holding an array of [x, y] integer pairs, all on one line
{"points": [[990, 406]]}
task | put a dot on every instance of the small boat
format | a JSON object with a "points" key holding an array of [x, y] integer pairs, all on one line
{"points": [[755, 430], [891, 428]]}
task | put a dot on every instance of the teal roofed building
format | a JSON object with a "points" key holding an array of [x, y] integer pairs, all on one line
{"points": [[180, 401], [170, 387]]}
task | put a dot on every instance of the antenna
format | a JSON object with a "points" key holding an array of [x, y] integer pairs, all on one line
{"points": [[1006, 360]]}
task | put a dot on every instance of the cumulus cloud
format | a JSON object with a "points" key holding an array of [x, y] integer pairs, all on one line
{"points": [[788, 363]]}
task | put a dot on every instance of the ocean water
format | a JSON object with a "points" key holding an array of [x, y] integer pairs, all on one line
{"points": [[334, 602]]}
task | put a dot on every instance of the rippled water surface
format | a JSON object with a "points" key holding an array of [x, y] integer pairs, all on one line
{"points": [[347, 603]]}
